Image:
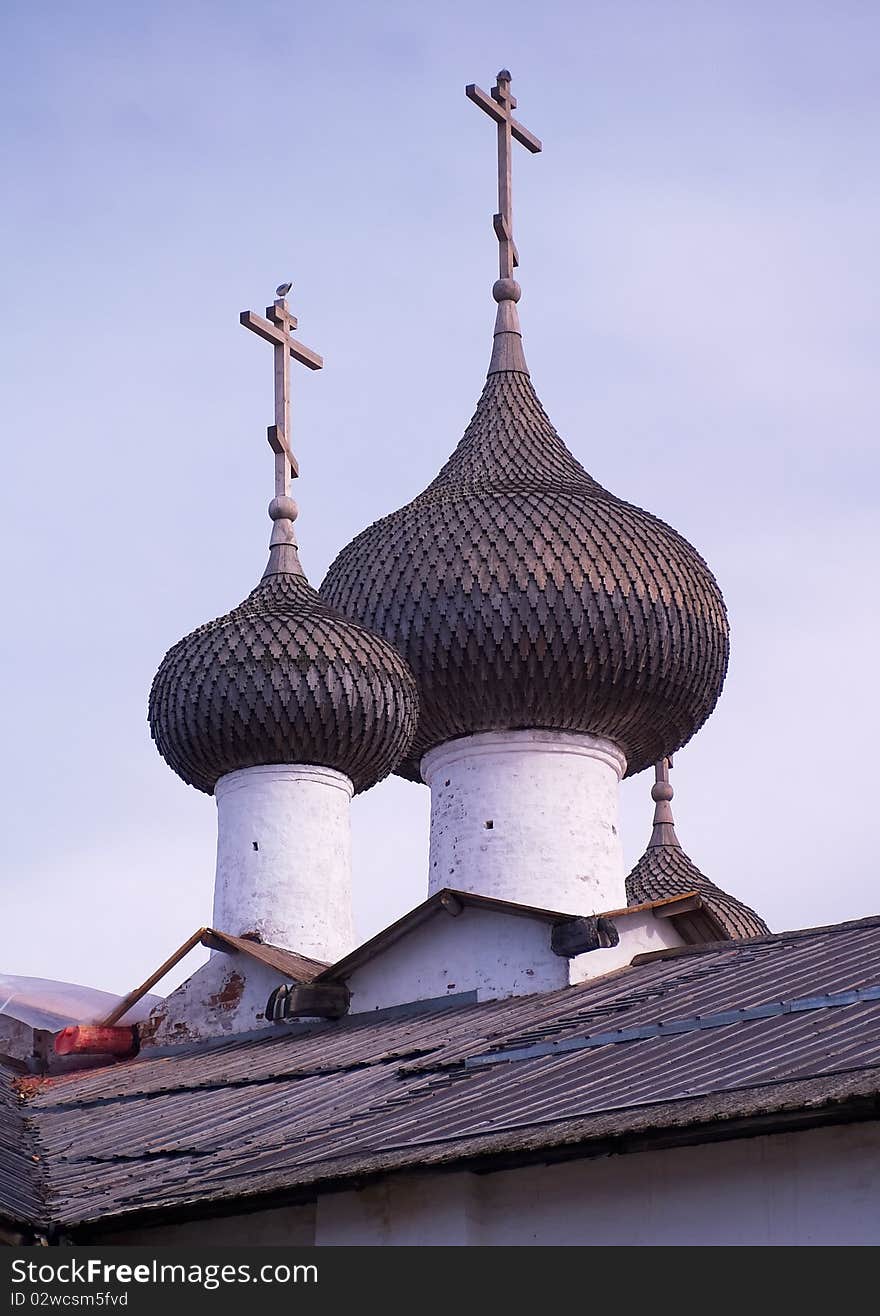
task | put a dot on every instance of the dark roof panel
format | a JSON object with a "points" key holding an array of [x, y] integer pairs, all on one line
{"points": [[20, 1172], [307, 1104]]}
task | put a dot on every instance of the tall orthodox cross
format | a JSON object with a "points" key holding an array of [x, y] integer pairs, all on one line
{"points": [[276, 329], [500, 106]]}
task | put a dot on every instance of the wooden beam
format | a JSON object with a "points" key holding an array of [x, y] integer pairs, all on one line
{"points": [[684, 906], [525, 138], [577, 936], [279, 315], [133, 997], [503, 234], [479, 97], [251, 320], [278, 445], [305, 356], [277, 336], [494, 110]]}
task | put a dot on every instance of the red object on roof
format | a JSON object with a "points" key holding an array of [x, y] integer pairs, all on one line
{"points": [[95, 1039]]}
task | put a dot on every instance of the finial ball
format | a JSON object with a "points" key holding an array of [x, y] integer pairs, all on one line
{"points": [[661, 791], [506, 290], [503, 75], [283, 508]]}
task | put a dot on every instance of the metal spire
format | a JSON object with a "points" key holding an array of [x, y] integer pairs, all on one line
{"points": [[276, 329], [507, 352], [661, 794]]}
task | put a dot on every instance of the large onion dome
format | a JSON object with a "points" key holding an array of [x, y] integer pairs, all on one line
{"points": [[525, 595], [665, 870], [283, 678]]}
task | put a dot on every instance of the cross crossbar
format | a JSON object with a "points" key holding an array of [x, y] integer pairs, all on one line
{"points": [[495, 111]]}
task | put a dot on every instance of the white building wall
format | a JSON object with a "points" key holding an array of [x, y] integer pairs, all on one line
{"points": [[639, 934], [528, 816], [494, 954], [818, 1187], [287, 1226], [228, 995], [486, 951], [284, 858], [441, 1210]]}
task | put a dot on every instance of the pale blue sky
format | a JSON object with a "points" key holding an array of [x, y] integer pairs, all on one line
{"points": [[700, 265]]}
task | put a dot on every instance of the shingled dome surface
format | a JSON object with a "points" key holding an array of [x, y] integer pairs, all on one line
{"points": [[524, 595], [665, 870], [283, 678]]}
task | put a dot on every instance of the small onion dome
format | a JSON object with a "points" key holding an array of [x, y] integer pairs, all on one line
{"points": [[524, 595], [665, 870], [283, 678]]}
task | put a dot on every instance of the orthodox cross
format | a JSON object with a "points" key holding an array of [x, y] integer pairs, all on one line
{"points": [[500, 106], [276, 329]]}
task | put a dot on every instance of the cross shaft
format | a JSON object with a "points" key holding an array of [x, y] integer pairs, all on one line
{"points": [[500, 106], [276, 329]]}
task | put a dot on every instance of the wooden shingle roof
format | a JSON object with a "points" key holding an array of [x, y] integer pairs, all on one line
{"points": [[524, 594]]}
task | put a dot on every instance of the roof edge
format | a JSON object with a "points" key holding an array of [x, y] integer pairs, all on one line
{"points": [[452, 901], [797, 1105]]}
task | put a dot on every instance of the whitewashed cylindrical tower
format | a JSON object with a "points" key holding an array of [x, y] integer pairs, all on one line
{"points": [[283, 709], [284, 858], [558, 635], [527, 815]]}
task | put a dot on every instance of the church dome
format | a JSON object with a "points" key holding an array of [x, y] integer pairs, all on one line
{"points": [[525, 595], [664, 870], [282, 678]]}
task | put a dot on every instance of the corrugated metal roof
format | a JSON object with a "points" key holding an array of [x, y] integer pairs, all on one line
{"points": [[303, 1105], [20, 1195]]}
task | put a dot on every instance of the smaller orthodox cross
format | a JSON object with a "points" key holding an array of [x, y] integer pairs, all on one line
{"points": [[276, 329], [500, 106]]}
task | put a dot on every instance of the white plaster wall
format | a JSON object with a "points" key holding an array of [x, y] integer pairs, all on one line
{"points": [[289, 1226], [227, 995], [494, 954], [639, 933], [528, 816], [819, 1187], [482, 950], [374, 1216], [284, 858]]}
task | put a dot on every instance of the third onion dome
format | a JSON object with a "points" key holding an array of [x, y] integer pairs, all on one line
{"points": [[665, 872], [523, 594]]}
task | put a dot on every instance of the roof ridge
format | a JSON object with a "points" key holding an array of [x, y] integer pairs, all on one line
{"points": [[747, 943]]}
